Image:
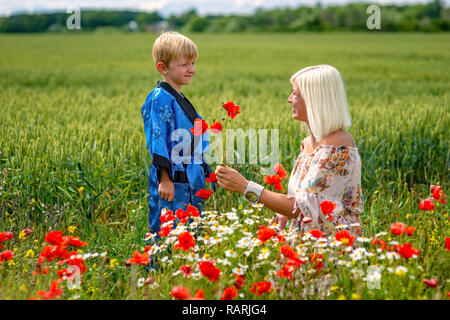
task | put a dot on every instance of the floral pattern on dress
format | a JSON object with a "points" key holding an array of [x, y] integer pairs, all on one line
{"points": [[331, 173]]}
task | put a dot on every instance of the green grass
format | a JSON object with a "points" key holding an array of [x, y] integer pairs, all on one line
{"points": [[73, 148]]}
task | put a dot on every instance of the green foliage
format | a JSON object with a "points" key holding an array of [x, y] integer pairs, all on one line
{"points": [[428, 17]]}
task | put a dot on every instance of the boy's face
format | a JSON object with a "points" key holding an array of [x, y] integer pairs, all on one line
{"points": [[180, 71]]}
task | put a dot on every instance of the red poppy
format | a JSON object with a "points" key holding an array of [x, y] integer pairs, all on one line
{"points": [[280, 238], [198, 295], [407, 251], [376, 241], [192, 211], [186, 269], [185, 241], [27, 232], [261, 287], [239, 282], [204, 194], [200, 127], [289, 252], [53, 293], [286, 271], [75, 241], [265, 233], [167, 216], [165, 231], [431, 282], [54, 237], [273, 179], [278, 187], [426, 204], [139, 258], [209, 270], [229, 293], [79, 263], [180, 293], [5, 236], [316, 260], [182, 215], [296, 263], [409, 230], [398, 228], [232, 109], [6, 255], [438, 194], [41, 271], [212, 178], [216, 127], [316, 233], [47, 253], [345, 237], [327, 207], [279, 170], [447, 243]]}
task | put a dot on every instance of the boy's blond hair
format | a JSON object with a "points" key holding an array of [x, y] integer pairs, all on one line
{"points": [[173, 45]]}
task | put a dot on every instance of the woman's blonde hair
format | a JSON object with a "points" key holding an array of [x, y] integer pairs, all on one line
{"points": [[173, 45], [322, 89]]}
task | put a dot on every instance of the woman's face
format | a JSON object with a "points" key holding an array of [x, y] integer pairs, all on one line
{"points": [[298, 105]]}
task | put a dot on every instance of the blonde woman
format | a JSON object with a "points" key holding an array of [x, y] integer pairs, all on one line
{"points": [[328, 167]]}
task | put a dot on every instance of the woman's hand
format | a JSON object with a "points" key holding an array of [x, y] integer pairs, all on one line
{"points": [[280, 220], [230, 179]]}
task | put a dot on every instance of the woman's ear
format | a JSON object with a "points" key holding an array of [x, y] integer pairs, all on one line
{"points": [[161, 66]]}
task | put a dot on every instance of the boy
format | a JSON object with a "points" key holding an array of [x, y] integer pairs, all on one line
{"points": [[173, 184]]}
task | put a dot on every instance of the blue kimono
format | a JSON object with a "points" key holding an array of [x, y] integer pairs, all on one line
{"points": [[164, 111]]}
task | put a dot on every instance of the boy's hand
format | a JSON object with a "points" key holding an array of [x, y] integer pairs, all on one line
{"points": [[166, 190]]}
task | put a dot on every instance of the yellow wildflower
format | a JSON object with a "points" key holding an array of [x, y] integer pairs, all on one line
{"points": [[71, 229], [355, 296], [334, 288], [113, 262], [29, 254]]}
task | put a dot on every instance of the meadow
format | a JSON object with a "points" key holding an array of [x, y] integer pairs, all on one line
{"points": [[73, 158]]}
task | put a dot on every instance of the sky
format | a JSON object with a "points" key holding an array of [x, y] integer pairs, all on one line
{"points": [[167, 7]]}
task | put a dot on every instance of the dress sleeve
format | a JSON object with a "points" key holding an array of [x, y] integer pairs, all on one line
{"points": [[332, 174], [158, 117]]}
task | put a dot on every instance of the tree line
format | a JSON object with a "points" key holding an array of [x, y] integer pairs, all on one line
{"points": [[429, 17]]}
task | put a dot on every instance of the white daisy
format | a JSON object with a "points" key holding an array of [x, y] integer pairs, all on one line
{"points": [[230, 254], [400, 270]]}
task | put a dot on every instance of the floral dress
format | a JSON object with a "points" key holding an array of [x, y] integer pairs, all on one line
{"points": [[332, 173]]}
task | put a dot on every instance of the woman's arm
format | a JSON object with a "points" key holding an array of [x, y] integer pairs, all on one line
{"points": [[279, 203], [232, 180]]}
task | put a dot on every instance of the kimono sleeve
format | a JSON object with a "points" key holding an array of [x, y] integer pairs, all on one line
{"points": [[159, 124]]}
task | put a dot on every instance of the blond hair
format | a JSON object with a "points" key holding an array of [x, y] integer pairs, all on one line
{"points": [[173, 45], [322, 89]]}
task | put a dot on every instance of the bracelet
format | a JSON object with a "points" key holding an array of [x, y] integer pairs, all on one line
{"points": [[253, 192]]}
